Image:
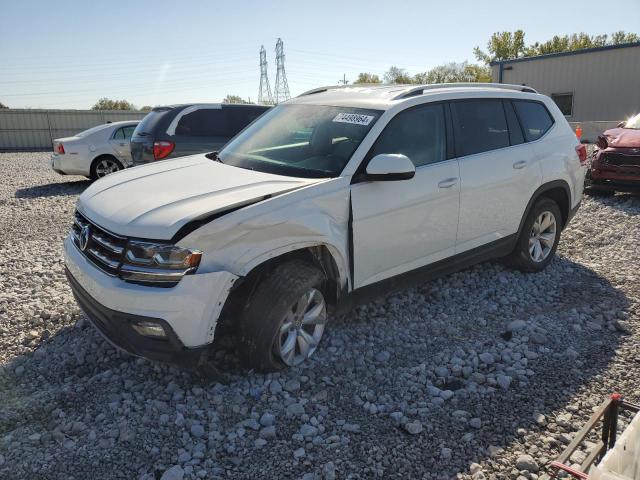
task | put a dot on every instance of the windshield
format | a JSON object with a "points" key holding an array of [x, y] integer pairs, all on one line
{"points": [[310, 141], [633, 122]]}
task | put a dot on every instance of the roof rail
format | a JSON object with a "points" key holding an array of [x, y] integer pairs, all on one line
{"points": [[420, 89], [321, 89]]}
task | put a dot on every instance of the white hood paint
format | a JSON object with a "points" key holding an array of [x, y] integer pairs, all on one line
{"points": [[154, 201]]}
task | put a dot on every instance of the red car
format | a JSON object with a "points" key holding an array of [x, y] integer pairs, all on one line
{"points": [[615, 165]]}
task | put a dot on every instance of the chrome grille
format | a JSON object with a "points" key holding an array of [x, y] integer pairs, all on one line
{"points": [[102, 248]]}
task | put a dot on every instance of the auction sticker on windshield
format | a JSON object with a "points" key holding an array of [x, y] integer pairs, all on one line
{"points": [[355, 118]]}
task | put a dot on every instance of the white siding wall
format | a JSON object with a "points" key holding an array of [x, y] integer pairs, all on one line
{"points": [[35, 129], [605, 84]]}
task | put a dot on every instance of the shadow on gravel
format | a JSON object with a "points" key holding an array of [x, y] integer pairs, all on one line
{"points": [[54, 189], [85, 375]]}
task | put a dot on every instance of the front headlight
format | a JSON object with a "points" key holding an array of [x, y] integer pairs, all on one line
{"points": [[149, 262]]}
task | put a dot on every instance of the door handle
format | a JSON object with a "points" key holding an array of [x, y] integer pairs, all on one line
{"points": [[448, 183], [519, 165]]}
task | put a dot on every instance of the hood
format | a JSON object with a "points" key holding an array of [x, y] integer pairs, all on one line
{"points": [[154, 201], [623, 137]]}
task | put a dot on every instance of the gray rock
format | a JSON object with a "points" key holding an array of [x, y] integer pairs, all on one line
{"points": [[382, 357], [475, 423], [504, 381], [295, 409], [197, 430], [414, 427], [329, 471], [268, 432], [445, 453], [517, 325], [526, 462], [174, 473], [299, 453], [487, 358], [267, 419]]}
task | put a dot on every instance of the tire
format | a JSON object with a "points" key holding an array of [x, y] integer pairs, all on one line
{"points": [[273, 307], [534, 254], [102, 162]]}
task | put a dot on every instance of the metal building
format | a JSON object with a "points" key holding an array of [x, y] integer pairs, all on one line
{"points": [[595, 87]]}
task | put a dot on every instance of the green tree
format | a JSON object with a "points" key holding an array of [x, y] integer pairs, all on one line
{"points": [[2, 105], [397, 75], [234, 99], [108, 104], [502, 46], [454, 73], [366, 77], [510, 45], [146, 108]]}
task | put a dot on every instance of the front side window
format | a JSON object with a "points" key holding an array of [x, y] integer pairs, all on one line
{"points": [[564, 102], [534, 117], [204, 122], [418, 133], [310, 141], [480, 126]]}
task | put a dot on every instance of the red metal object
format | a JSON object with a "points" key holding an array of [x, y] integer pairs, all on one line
{"points": [[581, 150], [608, 413]]}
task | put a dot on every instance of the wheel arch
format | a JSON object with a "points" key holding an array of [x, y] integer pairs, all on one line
{"points": [[558, 191]]}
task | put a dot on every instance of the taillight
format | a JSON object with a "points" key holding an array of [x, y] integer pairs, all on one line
{"points": [[60, 149], [162, 149], [581, 150]]}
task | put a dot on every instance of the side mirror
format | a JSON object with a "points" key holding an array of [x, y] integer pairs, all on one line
{"points": [[390, 166]]}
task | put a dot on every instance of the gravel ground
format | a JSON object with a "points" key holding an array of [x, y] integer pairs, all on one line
{"points": [[486, 373]]}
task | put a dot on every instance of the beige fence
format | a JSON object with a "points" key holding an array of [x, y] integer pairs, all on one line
{"points": [[36, 129]]}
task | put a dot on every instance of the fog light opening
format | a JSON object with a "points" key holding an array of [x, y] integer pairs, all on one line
{"points": [[149, 329]]}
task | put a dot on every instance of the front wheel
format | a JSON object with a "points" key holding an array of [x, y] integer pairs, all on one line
{"points": [[539, 238], [285, 318]]}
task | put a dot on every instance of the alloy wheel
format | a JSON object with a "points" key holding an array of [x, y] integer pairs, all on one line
{"points": [[302, 328], [106, 166], [542, 236]]}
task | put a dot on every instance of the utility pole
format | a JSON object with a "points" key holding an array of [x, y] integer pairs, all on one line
{"points": [[264, 94], [282, 86], [344, 80]]}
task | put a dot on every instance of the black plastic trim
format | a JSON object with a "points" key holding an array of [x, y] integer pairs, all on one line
{"points": [[116, 327], [539, 192], [496, 249]]}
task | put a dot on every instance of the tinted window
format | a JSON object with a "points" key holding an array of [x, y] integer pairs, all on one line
{"points": [[205, 122], [535, 119], [241, 117], [515, 130], [418, 133], [119, 135], [151, 120], [480, 126], [564, 102], [128, 131]]}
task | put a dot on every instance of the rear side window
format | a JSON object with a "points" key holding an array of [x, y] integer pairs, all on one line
{"points": [[119, 135], [480, 126], [151, 120], [418, 133], [241, 117], [534, 117], [128, 131], [205, 122]]}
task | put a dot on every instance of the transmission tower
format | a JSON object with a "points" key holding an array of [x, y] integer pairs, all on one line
{"points": [[282, 86], [264, 96]]}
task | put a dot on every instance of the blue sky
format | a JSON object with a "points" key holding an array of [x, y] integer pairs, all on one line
{"points": [[63, 54]]}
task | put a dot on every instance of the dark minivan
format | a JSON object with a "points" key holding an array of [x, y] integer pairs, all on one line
{"points": [[178, 130]]}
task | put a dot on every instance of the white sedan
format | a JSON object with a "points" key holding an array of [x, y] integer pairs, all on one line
{"points": [[96, 152]]}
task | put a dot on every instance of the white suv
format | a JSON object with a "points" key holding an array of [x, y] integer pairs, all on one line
{"points": [[334, 196]]}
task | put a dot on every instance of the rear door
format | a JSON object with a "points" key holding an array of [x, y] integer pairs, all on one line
{"points": [[120, 143], [499, 171], [402, 225]]}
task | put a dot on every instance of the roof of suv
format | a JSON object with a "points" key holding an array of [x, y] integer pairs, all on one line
{"points": [[384, 97]]}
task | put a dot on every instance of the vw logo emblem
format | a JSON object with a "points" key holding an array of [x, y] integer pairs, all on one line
{"points": [[84, 237]]}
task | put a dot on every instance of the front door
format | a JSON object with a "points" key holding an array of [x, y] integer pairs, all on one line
{"points": [[402, 225]]}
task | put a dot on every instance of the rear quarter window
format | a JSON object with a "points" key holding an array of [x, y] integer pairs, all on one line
{"points": [[204, 122], [534, 118]]}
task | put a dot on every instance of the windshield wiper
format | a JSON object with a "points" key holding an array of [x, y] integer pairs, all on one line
{"points": [[213, 156]]}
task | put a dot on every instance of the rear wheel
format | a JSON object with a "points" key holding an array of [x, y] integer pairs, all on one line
{"points": [[103, 166], [285, 318], [539, 238]]}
